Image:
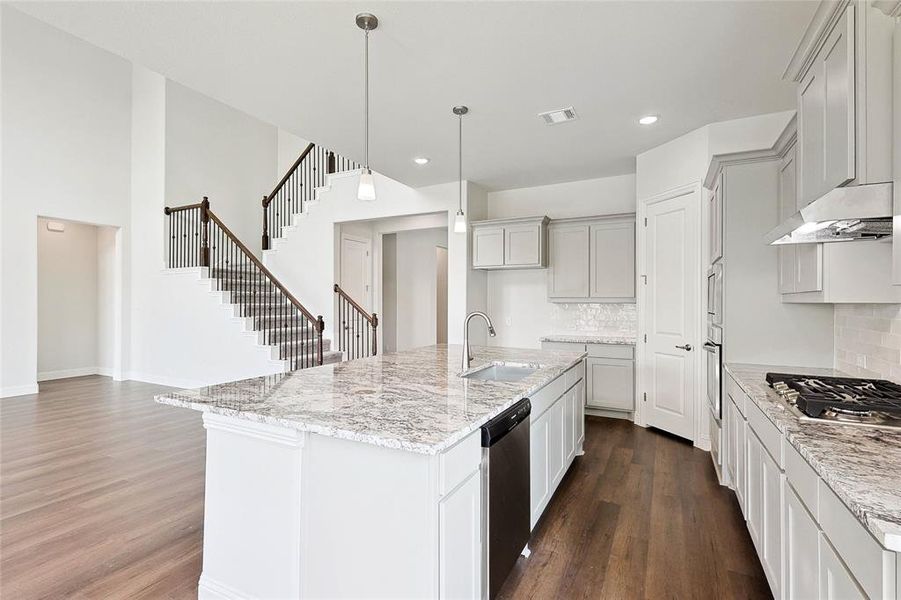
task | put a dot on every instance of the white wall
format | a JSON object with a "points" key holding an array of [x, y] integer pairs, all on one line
{"points": [[66, 139], [109, 273], [517, 299], [67, 301], [416, 291], [217, 151], [388, 314], [289, 148]]}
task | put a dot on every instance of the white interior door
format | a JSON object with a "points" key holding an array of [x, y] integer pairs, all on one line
{"points": [[356, 269], [671, 313]]}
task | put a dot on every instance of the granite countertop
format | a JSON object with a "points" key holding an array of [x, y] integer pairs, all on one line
{"points": [[413, 400], [859, 464], [590, 338]]}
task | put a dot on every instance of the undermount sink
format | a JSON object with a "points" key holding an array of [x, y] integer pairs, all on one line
{"points": [[501, 373]]}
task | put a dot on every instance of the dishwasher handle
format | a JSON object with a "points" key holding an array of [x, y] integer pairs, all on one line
{"points": [[495, 429]]}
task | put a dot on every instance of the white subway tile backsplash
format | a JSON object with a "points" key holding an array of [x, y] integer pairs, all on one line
{"points": [[602, 319], [868, 340]]}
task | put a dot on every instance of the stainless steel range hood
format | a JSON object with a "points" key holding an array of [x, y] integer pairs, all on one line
{"points": [[860, 212]]}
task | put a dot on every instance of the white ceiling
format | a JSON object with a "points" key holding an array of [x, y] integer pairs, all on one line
{"points": [[299, 65]]}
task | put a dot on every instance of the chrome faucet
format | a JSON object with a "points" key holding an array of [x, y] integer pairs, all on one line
{"points": [[467, 356]]}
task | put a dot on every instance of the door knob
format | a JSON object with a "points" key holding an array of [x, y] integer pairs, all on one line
{"points": [[686, 347]]}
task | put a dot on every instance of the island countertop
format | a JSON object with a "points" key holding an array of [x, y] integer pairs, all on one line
{"points": [[413, 400]]}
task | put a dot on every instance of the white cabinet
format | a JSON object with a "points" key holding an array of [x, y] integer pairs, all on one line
{"points": [[567, 273], [557, 428], [460, 543], [754, 514], [610, 376], [765, 481], [715, 225], [800, 265], [519, 243], [611, 260], [801, 566], [835, 581], [592, 259]]}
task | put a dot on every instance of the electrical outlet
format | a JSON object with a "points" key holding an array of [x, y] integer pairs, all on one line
{"points": [[508, 321]]}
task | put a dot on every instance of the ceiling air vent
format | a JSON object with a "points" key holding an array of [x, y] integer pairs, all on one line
{"points": [[561, 115]]}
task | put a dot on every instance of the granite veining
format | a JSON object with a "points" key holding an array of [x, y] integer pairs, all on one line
{"points": [[859, 464], [589, 338], [413, 400]]}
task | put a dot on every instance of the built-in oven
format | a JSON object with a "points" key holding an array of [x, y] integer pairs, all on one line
{"points": [[715, 295], [714, 349]]}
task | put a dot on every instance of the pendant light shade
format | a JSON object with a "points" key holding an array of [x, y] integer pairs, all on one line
{"points": [[366, 189], [460, 218]]}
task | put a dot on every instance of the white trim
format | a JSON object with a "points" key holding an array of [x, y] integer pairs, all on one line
{"points": [[66, 373], [210, 589], [779, 149], [164, 380], [827, 15], [19, 390], [252, 429]]}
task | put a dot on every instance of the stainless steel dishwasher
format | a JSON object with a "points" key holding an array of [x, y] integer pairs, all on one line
{"points": [[505, 493]]}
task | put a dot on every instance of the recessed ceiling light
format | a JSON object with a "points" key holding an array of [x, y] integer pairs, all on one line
{"points": [[421, 160], [648, 120]]}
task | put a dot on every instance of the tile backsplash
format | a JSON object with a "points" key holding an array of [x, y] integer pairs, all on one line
{"points": [[605, 319], [868, 340]]}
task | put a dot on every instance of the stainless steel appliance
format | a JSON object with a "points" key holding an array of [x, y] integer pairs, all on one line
{"points": [[505, 493], [840, 400], [713, 348], [715, 295]]}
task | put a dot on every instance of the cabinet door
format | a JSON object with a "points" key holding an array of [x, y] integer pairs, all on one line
{"points": [[836, 582], [788, 273], [809, 267], [568, 261], [579, 413], [460, 550], [788, 205], [556, 442], [522, 245], [770, 548], [539, 444], [741, 463], [755, 488], [715, 226], [837, 59], [612, 261], [811, 114], [488, 247], [569, 425], [729, 433], [611, 384], [800, 565]]}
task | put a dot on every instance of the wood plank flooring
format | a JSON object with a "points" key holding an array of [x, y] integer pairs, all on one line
{"points": [[101, 496]]}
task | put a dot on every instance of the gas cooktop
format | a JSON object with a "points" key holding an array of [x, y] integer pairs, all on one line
{"points": [[849, 400]]}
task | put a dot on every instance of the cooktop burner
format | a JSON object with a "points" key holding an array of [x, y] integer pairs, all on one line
{"points": [[841, 399]]}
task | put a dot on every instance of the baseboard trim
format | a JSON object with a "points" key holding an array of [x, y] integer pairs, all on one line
{"points": [[66, 373], [18, 390], [210, 589], [175, 382]]}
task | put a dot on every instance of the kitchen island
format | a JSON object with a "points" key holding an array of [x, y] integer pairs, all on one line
{"points": [[362, 478]]}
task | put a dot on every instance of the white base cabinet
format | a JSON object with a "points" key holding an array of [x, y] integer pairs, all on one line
{"points": [[556, 436], [809, 544]]}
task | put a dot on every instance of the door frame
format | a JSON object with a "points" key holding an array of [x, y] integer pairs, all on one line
{"points": [[643, 385]]}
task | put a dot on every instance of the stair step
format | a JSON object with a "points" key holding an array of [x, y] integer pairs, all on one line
{"points": [[303, 344], [327, 358]]}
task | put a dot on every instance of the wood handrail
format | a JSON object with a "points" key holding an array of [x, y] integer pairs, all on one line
{"points": [[267, 272], [279, 185], [371, 318], [171, 209]]}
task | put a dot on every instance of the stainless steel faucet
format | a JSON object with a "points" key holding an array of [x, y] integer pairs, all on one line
{"points": [[467, 356]]}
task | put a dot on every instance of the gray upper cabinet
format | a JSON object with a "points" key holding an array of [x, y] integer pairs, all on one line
{"points": [[715, 225], [800, 265], [843, 66], [592, 259], [519, 243]]}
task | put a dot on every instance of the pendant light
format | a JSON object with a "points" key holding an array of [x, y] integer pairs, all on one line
{"points": [[460, 219], [366, 190]]}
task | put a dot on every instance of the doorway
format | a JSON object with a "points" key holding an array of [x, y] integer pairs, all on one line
{"points": [[356, 269], [79, 307], [669, 311]]}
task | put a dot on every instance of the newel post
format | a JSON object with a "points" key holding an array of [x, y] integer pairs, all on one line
{"points": [[265, 225], [330, 163], [375, 334], [320, 325], [205, 232]]}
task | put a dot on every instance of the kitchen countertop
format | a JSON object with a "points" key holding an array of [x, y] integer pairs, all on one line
{"points": [[590, 338], [859, 464], [413, 400]]}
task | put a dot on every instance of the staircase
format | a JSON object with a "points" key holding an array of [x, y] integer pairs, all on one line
{"points": [[199, 238]]}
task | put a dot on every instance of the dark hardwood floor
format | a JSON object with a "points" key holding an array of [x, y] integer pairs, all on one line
{"points": [[101, 496], [640, 515]]}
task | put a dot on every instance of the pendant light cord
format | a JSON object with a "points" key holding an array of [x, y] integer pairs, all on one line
{"points": [[460, 160], [366, 101]]}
